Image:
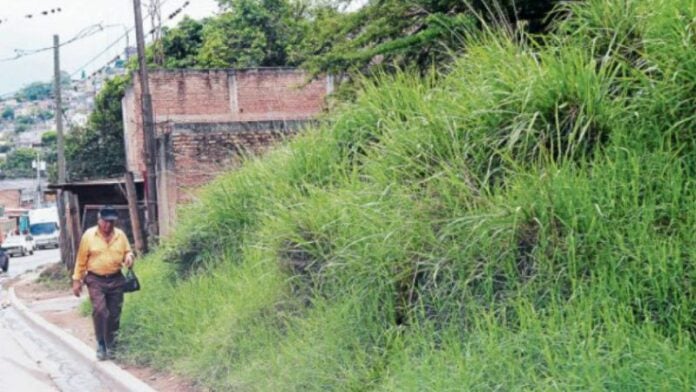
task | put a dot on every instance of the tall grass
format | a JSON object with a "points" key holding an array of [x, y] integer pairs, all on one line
{"points": [[524, 222]]}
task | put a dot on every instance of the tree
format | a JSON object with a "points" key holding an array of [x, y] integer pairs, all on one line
{"points": [[8, 113], [181, 44], [395, 33], [24, 120], [49, 152], [44, 115], [253, 33], [18, 163], [49, 138], [97, 150], [35, 91]]}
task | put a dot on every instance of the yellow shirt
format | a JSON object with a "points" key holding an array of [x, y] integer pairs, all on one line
{"points": [[98, 256]]}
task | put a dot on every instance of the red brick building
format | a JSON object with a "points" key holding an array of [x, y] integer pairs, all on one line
{"points": [[11, 198], [206, 120]]}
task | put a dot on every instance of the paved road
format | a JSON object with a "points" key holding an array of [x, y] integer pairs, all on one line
{"points": [[22, 264], [30, 360]]}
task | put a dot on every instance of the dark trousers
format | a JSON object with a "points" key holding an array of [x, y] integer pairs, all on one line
{"points": [[106, 294]]}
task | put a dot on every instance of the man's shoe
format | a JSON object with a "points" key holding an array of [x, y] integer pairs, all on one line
{"points": [[101, 352], [111, 350]]}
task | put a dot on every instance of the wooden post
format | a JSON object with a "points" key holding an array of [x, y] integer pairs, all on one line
{"points": [[132, 195], [66, 255], [69, 240], [74, 208], [148, 129]]}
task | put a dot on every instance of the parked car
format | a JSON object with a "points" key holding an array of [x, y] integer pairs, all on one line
{"points": [[19, 245], [4, 261]]}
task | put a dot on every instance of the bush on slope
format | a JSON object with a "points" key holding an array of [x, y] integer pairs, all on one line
{"points": [[524, 222]]}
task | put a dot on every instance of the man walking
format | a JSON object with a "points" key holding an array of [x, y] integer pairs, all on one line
{"points": [[103, 251]]}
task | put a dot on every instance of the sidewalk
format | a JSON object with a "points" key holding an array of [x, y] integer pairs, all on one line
{"points": [[118, 377], [58, 313]]}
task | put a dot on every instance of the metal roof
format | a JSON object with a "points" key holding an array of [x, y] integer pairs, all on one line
{"points": [[92, 183]]}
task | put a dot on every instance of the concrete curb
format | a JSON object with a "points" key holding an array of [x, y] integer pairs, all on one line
{"points": [[107, 369]]}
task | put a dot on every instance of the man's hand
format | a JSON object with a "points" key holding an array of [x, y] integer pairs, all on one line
{"points": [[76, 287], [128, 261]]}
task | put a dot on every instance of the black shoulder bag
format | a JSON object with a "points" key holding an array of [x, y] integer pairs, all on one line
{"points": [[132, 284]]}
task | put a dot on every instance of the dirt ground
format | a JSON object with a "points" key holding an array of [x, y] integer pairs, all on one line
{"points": [[61, 308]]}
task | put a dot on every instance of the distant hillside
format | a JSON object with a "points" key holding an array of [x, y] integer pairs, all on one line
{"points": [[37, 91], [524, 222]]}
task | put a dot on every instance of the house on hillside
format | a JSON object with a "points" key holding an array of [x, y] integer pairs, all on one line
{"points": [[206, 120], [22, 192]]}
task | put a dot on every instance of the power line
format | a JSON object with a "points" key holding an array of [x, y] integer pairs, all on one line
{"points": [[37, 14], [93, 59], [84, 33], [98, 55]]}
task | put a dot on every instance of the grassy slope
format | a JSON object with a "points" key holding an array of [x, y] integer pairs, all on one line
{"points": [[525, 222]]}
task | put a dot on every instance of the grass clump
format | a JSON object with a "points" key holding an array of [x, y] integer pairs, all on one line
{"points": [[521, 223], [54, 277]]}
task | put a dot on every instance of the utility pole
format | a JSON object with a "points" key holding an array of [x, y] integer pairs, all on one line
{"points": [[66, 252], [148, 128], [59, 109]]}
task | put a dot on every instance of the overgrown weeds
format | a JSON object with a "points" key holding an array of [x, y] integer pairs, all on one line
{"points": [[523, 222]]}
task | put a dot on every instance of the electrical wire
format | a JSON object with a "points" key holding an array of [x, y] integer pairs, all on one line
{"points": [[98, 55], [84, 33]]}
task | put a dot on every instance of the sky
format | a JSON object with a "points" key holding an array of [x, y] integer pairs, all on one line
{"points": [[19, 32]]}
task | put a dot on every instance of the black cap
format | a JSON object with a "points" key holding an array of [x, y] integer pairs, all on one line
{"points": [[108, 213]]}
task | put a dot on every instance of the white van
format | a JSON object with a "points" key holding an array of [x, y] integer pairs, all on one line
{"points": [[43, 226]]}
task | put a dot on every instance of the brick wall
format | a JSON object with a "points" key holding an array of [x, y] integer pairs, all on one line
{"points": [[220, 96], [192, 154], [11, 198]]}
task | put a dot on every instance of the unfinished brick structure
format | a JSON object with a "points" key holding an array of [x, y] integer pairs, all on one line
{"points": [[11, 198], [206, 120]]}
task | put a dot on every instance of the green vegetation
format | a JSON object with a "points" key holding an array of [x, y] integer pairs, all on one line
{"points": [[49, 138], [37, 91], [17, 164], [180, 44], [97, 150], [54, 277], [389, 34], [21, 128], [8, 113], [49, 153], [524, 222], [253, 33], [382, 35], [25, 120]]}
